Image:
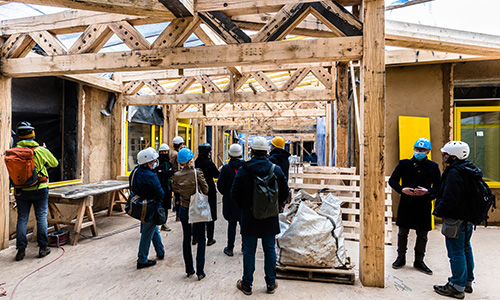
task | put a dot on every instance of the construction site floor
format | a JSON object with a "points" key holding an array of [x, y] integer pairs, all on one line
{"points": [[105, 268]]}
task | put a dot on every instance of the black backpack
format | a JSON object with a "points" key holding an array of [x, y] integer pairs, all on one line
{"points": [[265, 195], [481, 200]]}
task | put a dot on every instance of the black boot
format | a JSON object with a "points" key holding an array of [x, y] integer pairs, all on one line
{"points": [[148, 264], [21, 253], [420, 265], [44, 251], [399, 262], [448, 290]]}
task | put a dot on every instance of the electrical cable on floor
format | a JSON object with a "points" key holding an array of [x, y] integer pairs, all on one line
{"points": [[14, 291]]}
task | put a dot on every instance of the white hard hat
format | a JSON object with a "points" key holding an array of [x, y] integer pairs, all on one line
{"points": [[259, 143], [235, 150], [164, 147], [456, 148], [146, 155], [178, 140]]}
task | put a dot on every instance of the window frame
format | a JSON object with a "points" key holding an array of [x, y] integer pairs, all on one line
{"points": [[458, 126]]}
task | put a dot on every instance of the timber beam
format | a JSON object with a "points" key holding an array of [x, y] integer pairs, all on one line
{"points": [[332, 49], [138, 8], [254, 114], [240, 97]]}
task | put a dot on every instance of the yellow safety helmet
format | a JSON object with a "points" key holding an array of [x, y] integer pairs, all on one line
{"points": [[278, 142]]}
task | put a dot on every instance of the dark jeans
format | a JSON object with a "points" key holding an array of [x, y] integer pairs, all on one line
{"points": [[149, 233], [231, 234], [461, 258], [249, 248], [420, 244], [210, 230], [40, 200], [199, 230]]}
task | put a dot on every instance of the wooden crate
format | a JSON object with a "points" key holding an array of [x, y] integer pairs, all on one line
{"points": [[316, 274], [344, 184]]}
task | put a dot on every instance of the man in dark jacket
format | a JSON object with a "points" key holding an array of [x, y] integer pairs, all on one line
{"points": [[210, 173], [230, 211], [420, 180], [144, 182], [252, 228], [452, 206], [165, 171], [279, 155]]}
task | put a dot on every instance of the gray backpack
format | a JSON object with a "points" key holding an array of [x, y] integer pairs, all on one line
{"points": [[265, 195]]}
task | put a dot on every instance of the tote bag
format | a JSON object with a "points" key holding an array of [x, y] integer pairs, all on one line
{"points": [[199, 209]]}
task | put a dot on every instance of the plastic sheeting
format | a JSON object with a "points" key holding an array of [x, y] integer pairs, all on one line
{"points": [[151, 115], [312, 232]]}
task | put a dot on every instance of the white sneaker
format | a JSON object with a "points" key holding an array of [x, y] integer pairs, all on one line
{"points": [[164, 227]]}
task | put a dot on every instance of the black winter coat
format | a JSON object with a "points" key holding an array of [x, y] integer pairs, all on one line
{"points": [[456, 188], [146, 184], [165, 171], [280, 157], [415, 211], [210, 173], [242, 192], [230, 211]]}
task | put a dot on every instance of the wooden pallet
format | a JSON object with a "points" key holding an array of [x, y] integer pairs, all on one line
{"points": [[344, 184], [316, 274]]}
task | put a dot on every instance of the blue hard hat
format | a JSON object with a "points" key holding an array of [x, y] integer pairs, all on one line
{"points": [[423, 143], [184, 155]]}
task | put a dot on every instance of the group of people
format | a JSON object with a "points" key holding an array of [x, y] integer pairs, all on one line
{"points": [[419, 181], [158, 175], [161, 174]]}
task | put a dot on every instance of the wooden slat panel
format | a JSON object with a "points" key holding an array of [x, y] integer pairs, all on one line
{"points": [[156, 87], [176, 33], [323, 76], [182, 85], [265, 81], [208, 84], [133, 87], [224, 27]]}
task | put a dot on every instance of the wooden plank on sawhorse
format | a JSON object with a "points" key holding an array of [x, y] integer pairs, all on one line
{"points": [[83, 206]]}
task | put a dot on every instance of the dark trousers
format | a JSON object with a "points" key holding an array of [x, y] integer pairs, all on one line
{"points": [[420, 244], [210, 230], [231, 234], [199, 230]]}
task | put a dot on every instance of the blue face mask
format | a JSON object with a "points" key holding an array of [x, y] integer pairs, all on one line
{"points": [[419, 155]]}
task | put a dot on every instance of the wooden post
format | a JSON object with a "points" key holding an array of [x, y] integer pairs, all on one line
{"points": [[371, 241], [172, 124], [119, 140], [5, 136], [196, 134], [448, 70], [165, 132], [342, 115]]}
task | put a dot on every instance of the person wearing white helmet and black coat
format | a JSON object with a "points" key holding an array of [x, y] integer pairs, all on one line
{"points": [[144, 182], [417, 180], [165, 171], [210, 172], [452, 205], [251, 228], [230, 211]]}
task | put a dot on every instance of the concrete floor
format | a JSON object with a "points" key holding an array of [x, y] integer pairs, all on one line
{"points": [[105, 268]]}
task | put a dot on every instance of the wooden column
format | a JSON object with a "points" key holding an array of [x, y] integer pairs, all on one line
{"points": [[196, 134], [5, 126], [165, 132], [342, 115], [172, 124], [119, 140], [448, 95], [371, 242]]}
